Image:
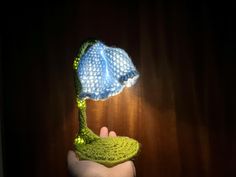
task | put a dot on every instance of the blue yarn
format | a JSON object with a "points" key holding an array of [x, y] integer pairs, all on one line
{"points": [[104, 71]]}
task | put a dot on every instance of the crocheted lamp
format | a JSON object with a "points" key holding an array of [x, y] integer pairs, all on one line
{"points": [[101, 72]]}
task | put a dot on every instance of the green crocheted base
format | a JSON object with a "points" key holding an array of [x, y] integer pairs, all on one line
{"points": [[109, 151]]}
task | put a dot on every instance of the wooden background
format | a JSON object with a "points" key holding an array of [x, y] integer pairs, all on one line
{"points": [[182, 109]]}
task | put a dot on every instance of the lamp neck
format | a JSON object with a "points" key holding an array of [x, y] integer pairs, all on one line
{"points": [[82, 114], [82, 119], [85, 135]]}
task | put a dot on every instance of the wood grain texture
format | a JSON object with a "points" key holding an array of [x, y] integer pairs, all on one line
{"points": [[182, 109]]}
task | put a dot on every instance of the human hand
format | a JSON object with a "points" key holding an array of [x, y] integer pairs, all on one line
{"points": [[86, 168]]}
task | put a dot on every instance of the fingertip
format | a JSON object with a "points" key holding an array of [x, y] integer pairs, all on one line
{"points": [[112, 134], [104, 132]]}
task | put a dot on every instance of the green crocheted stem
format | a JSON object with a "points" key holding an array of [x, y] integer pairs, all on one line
{"points": [[82, 119], [85, 135]]}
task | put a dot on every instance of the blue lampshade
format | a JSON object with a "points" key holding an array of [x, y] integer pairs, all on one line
{"points": [[104, 71]]}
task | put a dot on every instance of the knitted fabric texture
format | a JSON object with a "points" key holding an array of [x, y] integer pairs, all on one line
{"points": [[101, 72], [104, 71]]}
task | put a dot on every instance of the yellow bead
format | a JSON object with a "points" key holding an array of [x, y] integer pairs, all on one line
{"points": [[81, 103], [79, 140]]}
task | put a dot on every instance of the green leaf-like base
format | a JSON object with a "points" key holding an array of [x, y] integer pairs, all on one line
{"points": [[108, 151]]}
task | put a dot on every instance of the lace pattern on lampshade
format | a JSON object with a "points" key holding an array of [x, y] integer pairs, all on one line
{"points": [[104, 71]]}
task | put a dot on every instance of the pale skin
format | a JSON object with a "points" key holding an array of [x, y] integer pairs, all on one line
{"points": [[86, 168]]}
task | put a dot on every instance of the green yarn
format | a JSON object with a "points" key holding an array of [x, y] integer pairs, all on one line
{"points": [[108, 151]]}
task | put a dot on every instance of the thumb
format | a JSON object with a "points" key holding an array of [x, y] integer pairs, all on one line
{"points": [[72, 159]]}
